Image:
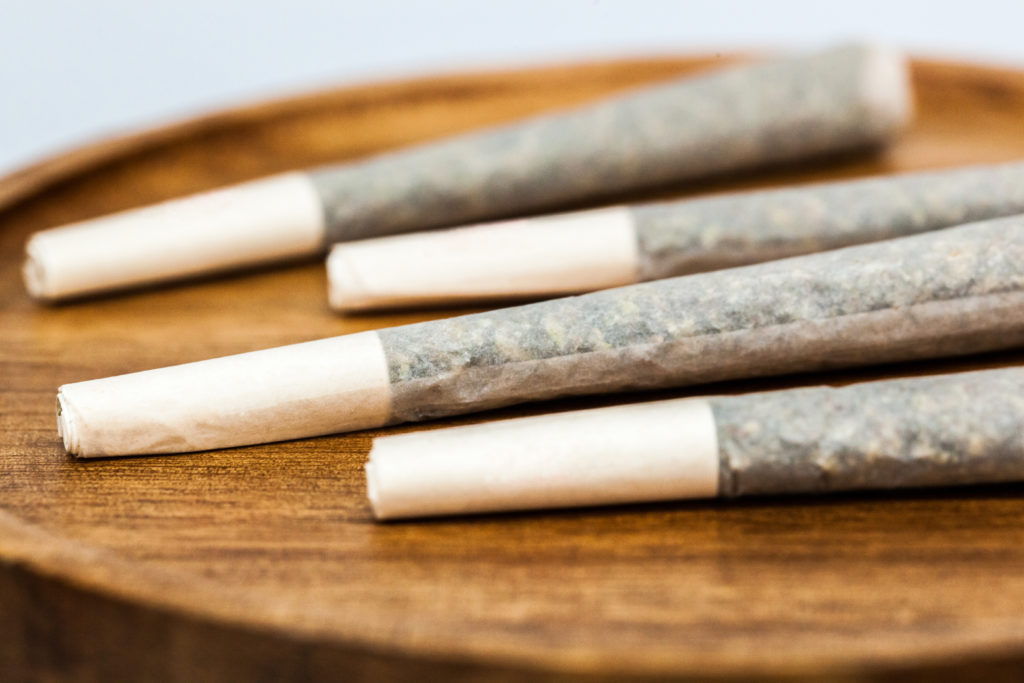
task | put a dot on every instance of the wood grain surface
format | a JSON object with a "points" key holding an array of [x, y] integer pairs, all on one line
{"points": [[263, 563]]}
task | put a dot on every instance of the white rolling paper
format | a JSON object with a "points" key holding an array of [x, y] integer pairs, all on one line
{"points": [[289, 392], [274, 218], [555, 255], [643, 452]]}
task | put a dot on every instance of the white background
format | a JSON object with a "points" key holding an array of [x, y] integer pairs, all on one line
{"points": [[75, 70]]}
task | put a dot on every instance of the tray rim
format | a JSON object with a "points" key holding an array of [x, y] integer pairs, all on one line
{"points": [[30, 547]]}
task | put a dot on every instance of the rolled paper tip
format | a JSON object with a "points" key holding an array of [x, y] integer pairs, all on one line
{"points": [[309, 389], [33, 272], [67, 424], [663, 450], [531, 257], [274, 218]]}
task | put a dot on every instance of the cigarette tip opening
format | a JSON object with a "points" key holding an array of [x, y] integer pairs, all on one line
{"points": [[346, 290], [371, 487], [33, 273], [67, 426]]}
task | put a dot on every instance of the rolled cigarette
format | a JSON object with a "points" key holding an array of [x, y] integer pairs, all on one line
{"points": [[587, 250], [953, 291], [933, 431], [739, 117]]}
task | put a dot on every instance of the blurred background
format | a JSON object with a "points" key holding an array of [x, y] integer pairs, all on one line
{"points": [[72, 72]]}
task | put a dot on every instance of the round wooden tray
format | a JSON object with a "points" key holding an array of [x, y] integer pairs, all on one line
{"points": [[264, 562]]}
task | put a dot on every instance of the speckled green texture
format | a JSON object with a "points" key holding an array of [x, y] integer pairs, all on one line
{"points": [[934, 431], [689, 236], [738, 117], [951, 291]]}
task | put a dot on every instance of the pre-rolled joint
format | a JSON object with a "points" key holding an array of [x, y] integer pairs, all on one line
{"points": [[519, 259], [886, 88]]}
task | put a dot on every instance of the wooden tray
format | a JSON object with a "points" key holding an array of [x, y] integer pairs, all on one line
{"points": [[264, 563]]}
